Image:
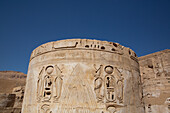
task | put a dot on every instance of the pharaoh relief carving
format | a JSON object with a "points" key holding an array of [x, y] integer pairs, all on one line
{"points": [[49, 84], [109, 80]]}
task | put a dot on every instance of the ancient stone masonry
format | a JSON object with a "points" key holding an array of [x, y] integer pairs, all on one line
{"points": [[155, 76], [83, 76]]}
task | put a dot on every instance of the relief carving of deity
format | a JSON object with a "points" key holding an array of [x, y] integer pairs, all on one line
{"points": [[49, 84], [40, 86], [119, 91], [98, 84], [58, 81]]}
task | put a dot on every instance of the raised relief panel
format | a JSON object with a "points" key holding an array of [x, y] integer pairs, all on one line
{"points": [[49, 84]]}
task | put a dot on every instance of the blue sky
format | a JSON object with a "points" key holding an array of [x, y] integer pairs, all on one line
{"points": [[142, 25]]}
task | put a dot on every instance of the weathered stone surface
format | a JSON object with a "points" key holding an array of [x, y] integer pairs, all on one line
{"points": [[83, 76], [155, 76]]}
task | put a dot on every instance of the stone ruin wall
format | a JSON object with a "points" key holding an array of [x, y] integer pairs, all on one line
{"points": [[155, 76], [83, 76]]}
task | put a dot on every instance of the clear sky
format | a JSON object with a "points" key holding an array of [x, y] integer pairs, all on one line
{"points": [[142, 25]]}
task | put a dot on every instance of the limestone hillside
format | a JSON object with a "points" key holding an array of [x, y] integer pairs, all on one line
{"points": [[11, 79]]}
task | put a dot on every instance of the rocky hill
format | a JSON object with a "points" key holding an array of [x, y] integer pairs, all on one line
{"points": [[10, 80], [12, 85]]}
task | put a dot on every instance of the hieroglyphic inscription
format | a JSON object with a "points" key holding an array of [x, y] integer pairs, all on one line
{"points": [[110, 84], [111, 79], [45, 109], [49, 84]]}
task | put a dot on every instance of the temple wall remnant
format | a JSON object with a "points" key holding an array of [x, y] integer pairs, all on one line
{"points": [[83, 76], [155, 76]]}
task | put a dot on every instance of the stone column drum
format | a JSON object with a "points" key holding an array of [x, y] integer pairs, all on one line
{"points": [[83, 76]]}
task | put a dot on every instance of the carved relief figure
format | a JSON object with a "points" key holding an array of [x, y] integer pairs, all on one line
{"points": [[49, 84], [58, 81], [98, 84], [119, 91], [45, 109], [40, 86], [119, 85]]}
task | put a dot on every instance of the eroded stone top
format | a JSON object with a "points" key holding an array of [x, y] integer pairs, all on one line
{"points": [[86, 44]]}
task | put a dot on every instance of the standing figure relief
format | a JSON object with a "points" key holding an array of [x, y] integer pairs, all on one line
{"points": [[49, 84], [119, 91], [98, 84], [58, 81], [40, 85], [119, 86]]}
